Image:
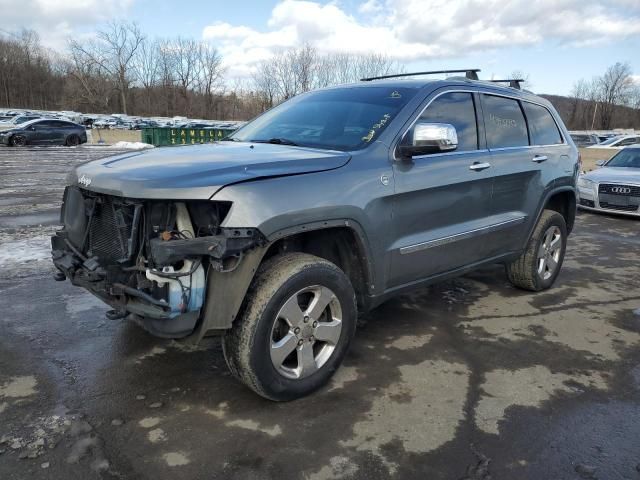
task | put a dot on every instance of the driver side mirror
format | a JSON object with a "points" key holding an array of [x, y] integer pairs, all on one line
{"points": [[430, 138]]}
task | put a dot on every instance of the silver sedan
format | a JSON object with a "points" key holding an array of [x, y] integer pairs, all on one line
{"points": [[615, 186]]}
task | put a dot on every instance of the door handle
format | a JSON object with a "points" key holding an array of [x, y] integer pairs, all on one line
{"points": [[539, 158], [479, 166]]}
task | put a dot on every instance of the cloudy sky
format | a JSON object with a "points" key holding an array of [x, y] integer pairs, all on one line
{"points": [[554, 41]]}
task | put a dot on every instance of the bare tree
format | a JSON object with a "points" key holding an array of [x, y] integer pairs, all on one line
{"points": [[613, 88], [298, 70], [113, 51], [265, 84], [211, 74], [146, 67], [185, 55]]}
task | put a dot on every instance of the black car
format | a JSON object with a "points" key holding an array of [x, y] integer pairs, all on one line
{"points": [[44, 132]]}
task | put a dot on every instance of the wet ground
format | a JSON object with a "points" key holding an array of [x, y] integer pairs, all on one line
{"points": [[470, 379]]}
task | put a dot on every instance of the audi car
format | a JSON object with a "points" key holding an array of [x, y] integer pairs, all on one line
{"points": [[621, 141], [615, 186]]}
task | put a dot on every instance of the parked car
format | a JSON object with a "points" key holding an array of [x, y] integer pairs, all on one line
{"points": [[19, 120], [194, 125], [104, 122], [144, 124], [44, 132], [585, 139], [618, 142], [603, 137], [323, 207], [121, 125], [615, 187]]}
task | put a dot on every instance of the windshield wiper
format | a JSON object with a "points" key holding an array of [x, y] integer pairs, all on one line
{"points": [[277, 141], [229, 139]]}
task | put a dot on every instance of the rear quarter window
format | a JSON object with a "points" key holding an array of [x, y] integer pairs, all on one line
{"points": [[504, 122], [543, 128]]}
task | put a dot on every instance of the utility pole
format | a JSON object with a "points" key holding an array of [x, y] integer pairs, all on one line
{"points": [[593, 120]]}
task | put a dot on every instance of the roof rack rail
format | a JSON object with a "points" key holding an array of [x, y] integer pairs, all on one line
{"points": [[470, 73], [513, 82]]}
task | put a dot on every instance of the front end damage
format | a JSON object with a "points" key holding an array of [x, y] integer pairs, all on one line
{"points": [[148, 258]]}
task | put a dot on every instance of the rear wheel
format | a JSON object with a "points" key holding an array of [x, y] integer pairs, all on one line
{"points": [[72, 141], [538, 267], [295, 328], [18, 141]]}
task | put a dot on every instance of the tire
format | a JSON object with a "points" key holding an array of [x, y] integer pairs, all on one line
{"points": [[18, 141], [72, 141], [539, 265], [256, 347]]}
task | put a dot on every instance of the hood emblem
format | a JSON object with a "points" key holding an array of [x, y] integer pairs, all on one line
{"points": [[84, 181]]}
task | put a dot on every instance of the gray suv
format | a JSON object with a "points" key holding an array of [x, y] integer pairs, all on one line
{"points": [[319, 210]]}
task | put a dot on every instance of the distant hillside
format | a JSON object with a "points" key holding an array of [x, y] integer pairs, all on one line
{"points": [[578, 115]]}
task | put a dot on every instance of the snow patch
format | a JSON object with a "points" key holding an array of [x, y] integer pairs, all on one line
{"points": [[16, 252], [131, 145], [19, 387]]}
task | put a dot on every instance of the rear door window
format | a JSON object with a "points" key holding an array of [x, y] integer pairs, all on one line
{"points": [[543, 128], [504, 122], [457, 109]]}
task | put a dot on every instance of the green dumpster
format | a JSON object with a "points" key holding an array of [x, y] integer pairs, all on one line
{"points": [[169, 136]]}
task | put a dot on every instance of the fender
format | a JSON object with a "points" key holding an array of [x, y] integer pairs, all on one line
{"points": [[226, 290], [545, 200], [364, 248]]}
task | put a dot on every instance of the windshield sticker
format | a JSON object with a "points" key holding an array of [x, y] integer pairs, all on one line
{"points": [[372, 133]]}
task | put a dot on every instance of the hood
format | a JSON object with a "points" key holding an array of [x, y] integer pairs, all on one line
{"points": [[197, 172], [614, 174]]}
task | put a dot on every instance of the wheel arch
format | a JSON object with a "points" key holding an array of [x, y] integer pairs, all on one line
{"points": [[342, 242], [559, 199], [331, 240], [563, 201]]}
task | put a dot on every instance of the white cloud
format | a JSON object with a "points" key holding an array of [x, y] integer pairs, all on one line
{"points": [[56, 20], [410, 30]]}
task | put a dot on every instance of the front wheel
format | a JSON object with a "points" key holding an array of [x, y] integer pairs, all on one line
{"points": [[538, 267], [73, 141], [296, 326], [18, 141]]}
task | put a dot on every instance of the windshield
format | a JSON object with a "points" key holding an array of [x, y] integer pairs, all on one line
{"points": [[627, 158], [610, 141], [336, 119]]}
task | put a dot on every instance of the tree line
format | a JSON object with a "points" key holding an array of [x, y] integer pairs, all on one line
{"points": [[122, 70], [611, 100]]}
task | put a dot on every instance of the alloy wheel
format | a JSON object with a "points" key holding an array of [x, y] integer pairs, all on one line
{"points": [[305, 332], [549, 252]]}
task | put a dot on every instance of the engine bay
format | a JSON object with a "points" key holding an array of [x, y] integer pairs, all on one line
{"points": [[147, 257]]}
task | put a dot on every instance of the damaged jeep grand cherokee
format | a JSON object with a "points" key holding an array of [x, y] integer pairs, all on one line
{"points": [[320, 209]]}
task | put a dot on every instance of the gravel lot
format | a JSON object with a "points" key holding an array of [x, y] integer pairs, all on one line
{"points": [[469, 379]]}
